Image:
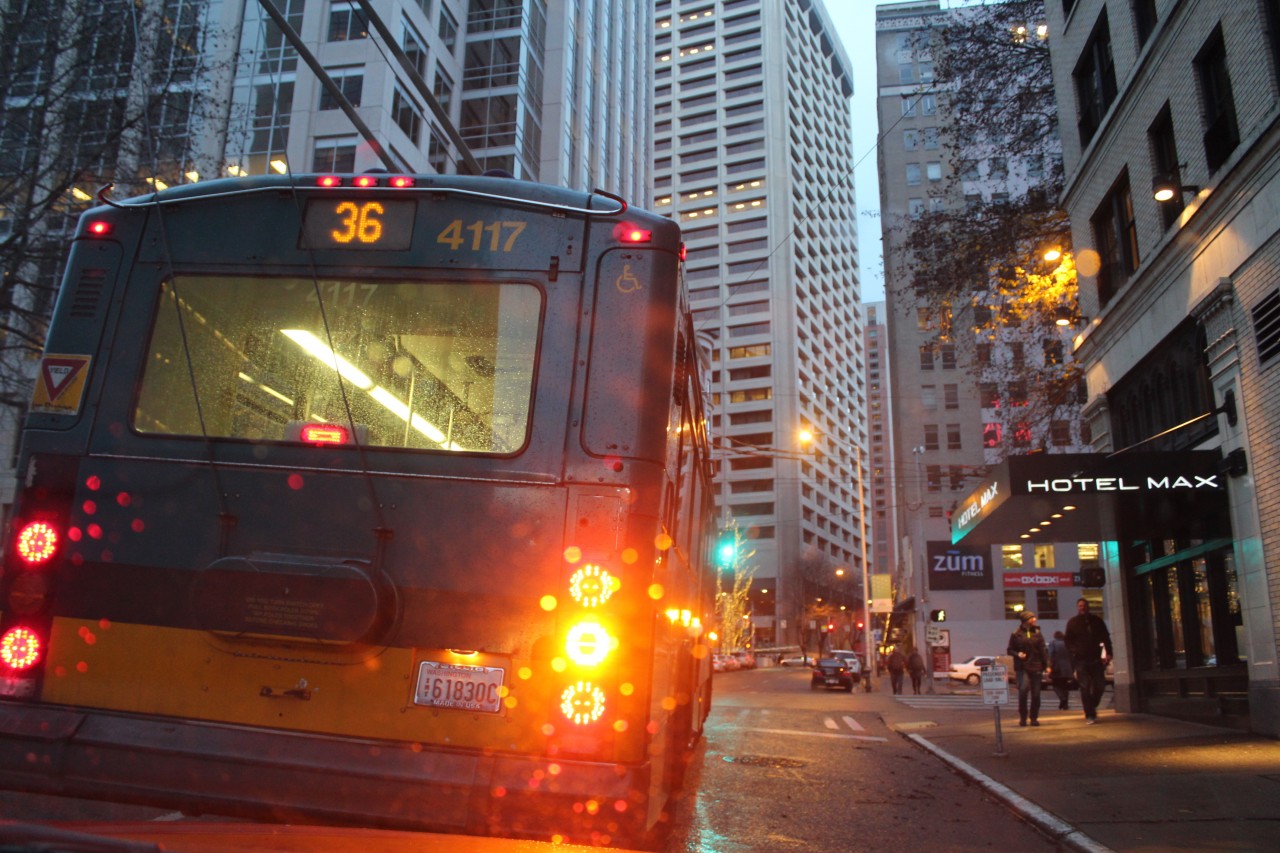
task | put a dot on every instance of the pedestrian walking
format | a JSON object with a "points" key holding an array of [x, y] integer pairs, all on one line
{"points": [[1060, 663], [1030, 663], [915, 666], [897, 664], [1090, 644]]}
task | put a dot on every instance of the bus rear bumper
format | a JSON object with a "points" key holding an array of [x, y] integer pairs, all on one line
{"points": [[202, 767]]}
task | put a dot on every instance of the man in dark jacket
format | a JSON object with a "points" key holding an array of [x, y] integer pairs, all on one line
{"points": [[1060, 663], [1030, 662], [897, 665], [1090, 645]]}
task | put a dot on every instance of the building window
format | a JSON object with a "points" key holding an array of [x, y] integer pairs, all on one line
{"points": [[1060, 433], [1022, 434], [1044, 556], [913, 174], [1115, 236], [1047, 603], [951, 396], [991, 434], [1015, 601], [1095, 79], [1221, 134], [407, 115], [448, 29], [1164, 162], [934, 171], [926, 357], [1011, 556], [929, 396], [988, 395], [953, 437], [933, 478], [345, 24], [930, 436], [910, 140], [931, 142], [334, 155], [349, 81], [948, 356], [1144, 19]]}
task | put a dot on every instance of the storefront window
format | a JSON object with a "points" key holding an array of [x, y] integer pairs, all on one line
{"points": [[1015, 601], [1011, 556], [1200, 583]]}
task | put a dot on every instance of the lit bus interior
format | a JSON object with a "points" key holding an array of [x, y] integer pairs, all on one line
{"points": [[434, 366]]}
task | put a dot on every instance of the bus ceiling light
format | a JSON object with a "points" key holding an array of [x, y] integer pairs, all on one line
{"points": [[588, 643], [20, 648], [37, 542]]}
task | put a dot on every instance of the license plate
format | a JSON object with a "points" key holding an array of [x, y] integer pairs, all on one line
{"points": [[833, 681], [452, 685]]}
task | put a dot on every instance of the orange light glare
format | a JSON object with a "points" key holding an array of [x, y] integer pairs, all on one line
{"points": [[20, 648], [36, 542], [588, 644], [582, 703]]}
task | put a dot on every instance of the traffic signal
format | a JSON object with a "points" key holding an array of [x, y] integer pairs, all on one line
{"points": [[726, 552], [937, 616]]}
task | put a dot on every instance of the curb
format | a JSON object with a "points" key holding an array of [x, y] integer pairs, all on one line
{"points": [[1056, 828]]}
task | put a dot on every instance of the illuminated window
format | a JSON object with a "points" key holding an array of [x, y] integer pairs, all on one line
{"points": [[1011, 556], [1044, 556]]}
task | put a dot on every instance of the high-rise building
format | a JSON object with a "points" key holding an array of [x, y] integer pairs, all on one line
{"points": [[962, 381], [754, 159], [882, 513]]}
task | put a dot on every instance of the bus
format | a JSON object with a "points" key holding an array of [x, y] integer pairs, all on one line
{"points": [[371, 498]]}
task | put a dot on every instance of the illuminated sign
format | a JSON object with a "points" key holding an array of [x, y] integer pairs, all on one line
{"points": [[958, 566], [358, 223], [1014, 580]]}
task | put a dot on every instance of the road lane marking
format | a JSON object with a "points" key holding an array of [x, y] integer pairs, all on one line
{"points": [[817, 734], [853, 724]]}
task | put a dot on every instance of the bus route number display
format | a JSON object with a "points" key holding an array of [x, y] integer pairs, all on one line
{"points": [[467, 688], [358, 223]]}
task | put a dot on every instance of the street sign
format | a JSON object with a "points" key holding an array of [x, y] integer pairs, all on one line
{"points": [[933, 634], [995, 685]]}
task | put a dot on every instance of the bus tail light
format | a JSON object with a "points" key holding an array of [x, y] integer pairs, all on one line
{"points": [[20, 648], [99, 228], [36, 543], [589, 643], [628, 233], [582, 703]]}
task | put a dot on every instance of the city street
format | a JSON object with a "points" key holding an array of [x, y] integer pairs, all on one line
{"points": [[787, 768]]}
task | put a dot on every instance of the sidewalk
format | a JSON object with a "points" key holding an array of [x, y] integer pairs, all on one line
{"points": [[1134, 782]]}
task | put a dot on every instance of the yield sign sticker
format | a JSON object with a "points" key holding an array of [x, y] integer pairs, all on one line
{"points": [[60, 384]]}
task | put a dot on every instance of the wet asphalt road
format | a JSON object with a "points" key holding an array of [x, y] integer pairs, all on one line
{"points": [[785, 768]]}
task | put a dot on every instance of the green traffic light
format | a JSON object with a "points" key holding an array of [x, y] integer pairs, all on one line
{"points": [[727, 554]]}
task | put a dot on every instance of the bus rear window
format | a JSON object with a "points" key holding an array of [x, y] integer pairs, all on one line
{"points": [[434, 366]]}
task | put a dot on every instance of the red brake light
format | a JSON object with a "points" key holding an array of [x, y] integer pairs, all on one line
{"points": [[328, 181], [99, 228], [401, 182], [20, 648], [632, 234], [684, 252], [325, 434], [366, 181], [36, 542]]}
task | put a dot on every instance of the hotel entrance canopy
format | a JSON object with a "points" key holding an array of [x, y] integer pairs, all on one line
{"points": [[1089, 497]]}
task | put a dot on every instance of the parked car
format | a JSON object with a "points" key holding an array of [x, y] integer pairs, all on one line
{"points": [[832, 672], [799, 660], [724, 663], [970, 671], [746, 659]]}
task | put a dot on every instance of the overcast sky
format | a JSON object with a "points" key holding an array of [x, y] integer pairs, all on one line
{"points": [[855, 22]]}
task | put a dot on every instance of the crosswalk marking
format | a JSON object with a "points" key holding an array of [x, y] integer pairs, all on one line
{"points": [[943, 700], [837, 735], [853, 724]]}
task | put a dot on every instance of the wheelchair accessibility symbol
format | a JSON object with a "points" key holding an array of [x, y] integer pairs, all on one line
{"points": [[627, 283]]}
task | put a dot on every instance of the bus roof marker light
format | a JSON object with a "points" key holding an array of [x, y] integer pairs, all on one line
{"points": [[402, 182], [328, 181], [365, 181]]}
